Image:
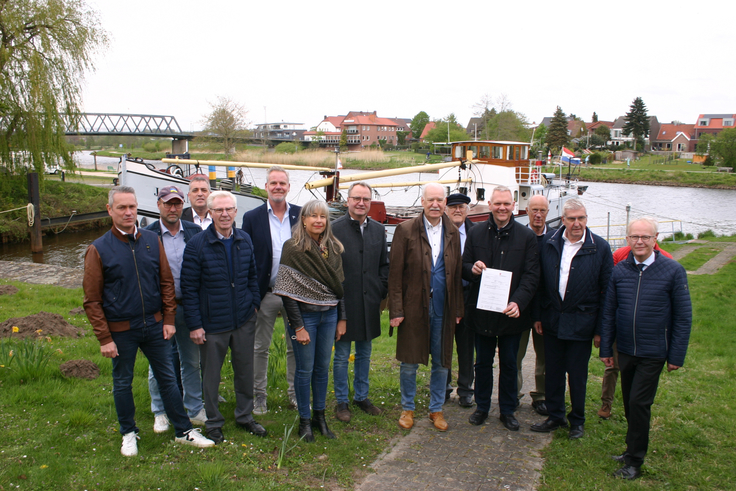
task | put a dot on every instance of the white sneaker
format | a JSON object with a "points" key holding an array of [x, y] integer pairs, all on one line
{"points": [[130, 444], [195, 438], [260, 407], [200, 418], [161, 424]]}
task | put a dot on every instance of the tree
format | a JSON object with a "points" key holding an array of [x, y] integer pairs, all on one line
{"points": [[557, 136], [724, 147], [225, 123], [595, 117], [344, 140], [704, 143], [401, 137], [418, 123], [604, 132], [46, 47], [440, 131], [499, 121], [637, 122]]}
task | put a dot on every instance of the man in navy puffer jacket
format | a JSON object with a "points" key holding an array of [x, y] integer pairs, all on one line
{"points": [[220, 297], [649, 314]]}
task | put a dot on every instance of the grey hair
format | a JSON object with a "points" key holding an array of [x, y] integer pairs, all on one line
{"points": [[360, 183], [276, 168], [424, 190], [651, 221], [120, 190], [302, 240], [200, 177], [501, 189], [219, 194], [573, 204]]}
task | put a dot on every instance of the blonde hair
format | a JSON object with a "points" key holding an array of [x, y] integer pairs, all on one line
{"points": [[302, 239]]}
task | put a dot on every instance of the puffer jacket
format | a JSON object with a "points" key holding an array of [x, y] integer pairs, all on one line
{"points": [[648, 313], [578, 317], [218, 296]]}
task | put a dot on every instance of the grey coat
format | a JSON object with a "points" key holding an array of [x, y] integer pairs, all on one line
{"points": [[365, 262]]}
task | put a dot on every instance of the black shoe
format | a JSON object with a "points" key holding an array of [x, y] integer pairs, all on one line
{"points": [[305, 430], [215, 434], [448, 393], [540, 407], [518, 404], [619, 458], [254, 428], [576, 431], [478, 417], [465, 401], [510, 422], [628, 472], [367, 406], [319, 424], [548, 425]]}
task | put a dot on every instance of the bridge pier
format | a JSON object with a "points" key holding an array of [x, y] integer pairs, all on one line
{"points": [[179, 147]]}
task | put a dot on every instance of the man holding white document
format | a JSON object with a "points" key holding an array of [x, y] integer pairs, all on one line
{"points": [[500, 260]]}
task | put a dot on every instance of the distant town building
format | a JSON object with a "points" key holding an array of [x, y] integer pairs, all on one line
{"points": [[362, 129]]}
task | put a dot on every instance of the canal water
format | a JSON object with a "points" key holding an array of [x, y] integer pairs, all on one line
{"points": [[691, 210]]}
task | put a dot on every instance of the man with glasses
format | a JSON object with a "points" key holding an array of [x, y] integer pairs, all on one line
{"points": [[220, 290], [365, 263], [649, 315], [199, 190], [269, 226], [536, 210], [175, 234], [576, 265]]}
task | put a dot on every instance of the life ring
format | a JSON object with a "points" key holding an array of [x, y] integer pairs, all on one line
{"points": [[534, 176]]}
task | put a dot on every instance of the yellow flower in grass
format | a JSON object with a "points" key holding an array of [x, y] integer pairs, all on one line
{"points": [[39, 331], [44, 466], [352, 358], [15, 329]]}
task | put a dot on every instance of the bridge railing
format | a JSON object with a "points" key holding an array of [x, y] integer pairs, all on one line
{"points": [[125, 125]]}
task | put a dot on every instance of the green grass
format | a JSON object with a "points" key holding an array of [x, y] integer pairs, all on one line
{"points": [[695, 259], [691, 441], [660, 177]]}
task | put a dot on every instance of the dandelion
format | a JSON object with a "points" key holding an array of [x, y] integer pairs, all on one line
{"points": [[44, 466], [15, 329], [352, 358], [39, 331]]}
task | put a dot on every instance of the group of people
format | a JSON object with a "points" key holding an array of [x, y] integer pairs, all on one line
{"points": [[328, 280]]}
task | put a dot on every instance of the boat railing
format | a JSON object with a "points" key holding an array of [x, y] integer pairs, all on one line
{"points": [[527, 175], [615, 234]]}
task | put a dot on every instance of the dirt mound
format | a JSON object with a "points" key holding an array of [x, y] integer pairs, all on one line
{"points": [[8, 290], [77, 311], [80, 369], [37, 325]]}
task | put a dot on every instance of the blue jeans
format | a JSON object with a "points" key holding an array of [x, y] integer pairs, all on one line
{"points": [[313, 359], [191, 376], [151, 341], [362, 366], [485, 351], [438, 377]]}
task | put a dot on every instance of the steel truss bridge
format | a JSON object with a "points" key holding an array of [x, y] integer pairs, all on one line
{"points": [[102, 124]]}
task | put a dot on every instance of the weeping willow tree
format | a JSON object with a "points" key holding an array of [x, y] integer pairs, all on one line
{"points": [[46, 47]]}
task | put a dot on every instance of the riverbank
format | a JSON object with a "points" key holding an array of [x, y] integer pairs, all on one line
{"points": [[709, 180]]}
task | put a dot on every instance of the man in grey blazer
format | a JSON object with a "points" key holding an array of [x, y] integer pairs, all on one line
{"points": [[365, 262]]}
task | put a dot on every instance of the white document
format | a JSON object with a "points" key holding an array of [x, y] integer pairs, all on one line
{"points": [[495, 286]]}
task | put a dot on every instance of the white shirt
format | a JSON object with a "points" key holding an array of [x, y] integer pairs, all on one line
{"points": [[280, 233], [463, 236], [434, 234], [647, 262], [202, 222], [362, 225], [569, 249], [543, 231], [174, 246]]}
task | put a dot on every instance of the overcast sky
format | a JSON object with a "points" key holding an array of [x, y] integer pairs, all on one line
{"points": [[298, 61]]}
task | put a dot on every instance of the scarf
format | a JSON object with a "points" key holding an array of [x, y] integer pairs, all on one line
{"points": [[309, 276]]}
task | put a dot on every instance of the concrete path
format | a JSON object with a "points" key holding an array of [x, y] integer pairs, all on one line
{"points": [[465, 457], [728, 251], [41, 274]]}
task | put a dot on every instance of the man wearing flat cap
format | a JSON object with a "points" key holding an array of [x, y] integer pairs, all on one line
{"points": [[457, 209], [174, 234]]}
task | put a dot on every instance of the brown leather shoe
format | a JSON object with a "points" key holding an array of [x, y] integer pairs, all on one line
{"points": [[406, 421], [439, 420], [605, 411], [342, 412]]}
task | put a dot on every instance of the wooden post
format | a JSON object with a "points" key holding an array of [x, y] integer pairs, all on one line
{"points": [[94, 154], [34, 197]]}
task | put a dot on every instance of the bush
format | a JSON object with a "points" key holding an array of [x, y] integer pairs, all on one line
{"points": [[285, 147], [708, 162], [150, 147], [706, 234], [595, 158], [681, 236]]}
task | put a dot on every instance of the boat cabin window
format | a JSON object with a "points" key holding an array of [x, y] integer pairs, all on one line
{"points": [[524, 153], [497, 152], [484, 152], [474, 149], [460, 152]]}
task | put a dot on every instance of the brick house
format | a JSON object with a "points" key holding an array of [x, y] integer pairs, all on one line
{"points": [[674, 138], [363, 129]]}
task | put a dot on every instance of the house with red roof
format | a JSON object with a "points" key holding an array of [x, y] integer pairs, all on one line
{"points": [[713, 124], [363, 129], [674, 137], [427, 128]]}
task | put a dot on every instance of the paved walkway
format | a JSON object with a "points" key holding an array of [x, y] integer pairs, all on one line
{"points": [[465, 457], [728, 252]]}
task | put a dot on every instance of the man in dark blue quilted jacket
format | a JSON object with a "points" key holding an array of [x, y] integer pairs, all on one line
{"points": [[649, 314], [220, 297]]}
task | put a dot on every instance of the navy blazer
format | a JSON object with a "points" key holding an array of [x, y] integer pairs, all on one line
{"points": [[255, 223]]}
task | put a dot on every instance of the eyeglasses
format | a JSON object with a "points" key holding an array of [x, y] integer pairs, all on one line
{"points": [[644, 238], [539, 212], [175, 204], [358, 199], [219, 211], [575, 219]]}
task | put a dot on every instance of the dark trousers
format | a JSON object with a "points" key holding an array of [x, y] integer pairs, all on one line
{"points": [[464, 342], [150, 340], [485, 351], [563, 357], [212, 355], [639, 381]]}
